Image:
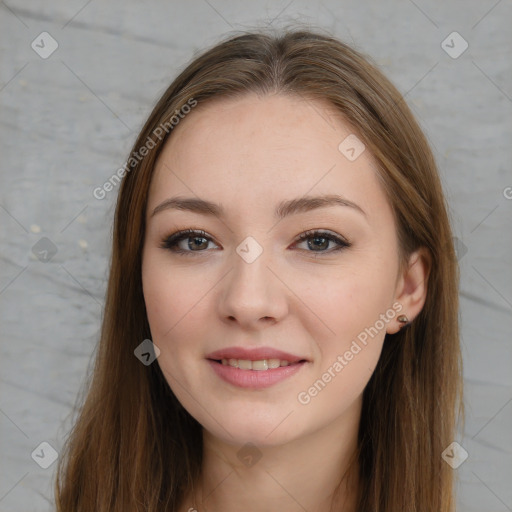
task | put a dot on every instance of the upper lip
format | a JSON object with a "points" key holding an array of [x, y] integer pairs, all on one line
{"points": [[254, 354]]}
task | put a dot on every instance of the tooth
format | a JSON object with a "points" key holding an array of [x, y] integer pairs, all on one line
{"points": [[244, 364], [260, 365]]}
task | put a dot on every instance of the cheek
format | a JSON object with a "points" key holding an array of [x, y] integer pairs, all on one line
{"points": [[169, 294], [173, 306], [179, 311], [351, 307], [348, 302]]}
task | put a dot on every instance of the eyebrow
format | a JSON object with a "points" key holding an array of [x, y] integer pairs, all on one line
{"points": [[283, 209]]}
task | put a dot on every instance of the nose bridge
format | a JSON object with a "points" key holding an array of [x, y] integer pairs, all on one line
{"points": [[251, 289], [250, 279]]}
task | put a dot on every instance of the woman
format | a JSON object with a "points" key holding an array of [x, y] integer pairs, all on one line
{"points": [[281, 243]]}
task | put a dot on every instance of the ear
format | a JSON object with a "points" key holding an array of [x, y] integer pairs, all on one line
{"points": [[411, 289]]}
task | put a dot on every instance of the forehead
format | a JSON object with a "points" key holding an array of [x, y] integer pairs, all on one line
{"points": [[253, 151]]}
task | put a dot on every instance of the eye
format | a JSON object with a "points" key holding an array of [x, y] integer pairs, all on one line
{"points": [[322, 239], [196, 241]]}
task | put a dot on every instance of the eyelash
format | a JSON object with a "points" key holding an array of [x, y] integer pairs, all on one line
{"points": [[170, 243]]}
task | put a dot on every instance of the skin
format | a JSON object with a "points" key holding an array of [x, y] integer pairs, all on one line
{"points": [[248, 154]]}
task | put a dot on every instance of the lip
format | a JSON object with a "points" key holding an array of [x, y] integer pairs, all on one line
{"points": [[254, 379], [253, 354]]}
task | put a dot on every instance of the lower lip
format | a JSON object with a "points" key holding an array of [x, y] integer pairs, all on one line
{"points": [[254, 379]]}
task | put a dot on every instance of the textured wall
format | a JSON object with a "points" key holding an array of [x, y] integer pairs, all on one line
{"points": [[69, 118]]}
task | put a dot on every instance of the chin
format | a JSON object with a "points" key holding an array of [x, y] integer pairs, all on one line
{"points": [[245, 427]]}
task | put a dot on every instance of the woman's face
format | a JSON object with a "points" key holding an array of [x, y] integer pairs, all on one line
{"points": [[245, 289]]}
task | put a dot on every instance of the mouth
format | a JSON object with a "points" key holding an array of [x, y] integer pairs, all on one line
{"points": [[258, 358], [255, 368], [257, 365]]}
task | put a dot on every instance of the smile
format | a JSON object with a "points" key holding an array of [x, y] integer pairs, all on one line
{"points": [[259, 374], [262, 364]]}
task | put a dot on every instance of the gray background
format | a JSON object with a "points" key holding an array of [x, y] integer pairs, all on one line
{"points": [[68, 123]]}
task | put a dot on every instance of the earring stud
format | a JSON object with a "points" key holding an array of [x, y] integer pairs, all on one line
{"points": [[403, 320]]}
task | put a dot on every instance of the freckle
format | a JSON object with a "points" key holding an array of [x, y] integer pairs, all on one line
{"points": [[83, 244], [35, 228]]}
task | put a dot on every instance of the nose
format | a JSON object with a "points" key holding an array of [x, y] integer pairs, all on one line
{"points": [[252, 295]]}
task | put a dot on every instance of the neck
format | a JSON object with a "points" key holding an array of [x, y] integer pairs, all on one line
{"points": [[312, 473]]}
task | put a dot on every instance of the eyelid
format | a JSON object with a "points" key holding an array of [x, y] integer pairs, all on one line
{"points": [[310, 233]]}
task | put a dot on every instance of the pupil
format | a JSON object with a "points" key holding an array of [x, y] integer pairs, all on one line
{"points": [[199, 244], [322, 246]]}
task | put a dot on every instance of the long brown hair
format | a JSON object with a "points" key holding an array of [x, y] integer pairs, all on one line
{"points": [[134, 447]]}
